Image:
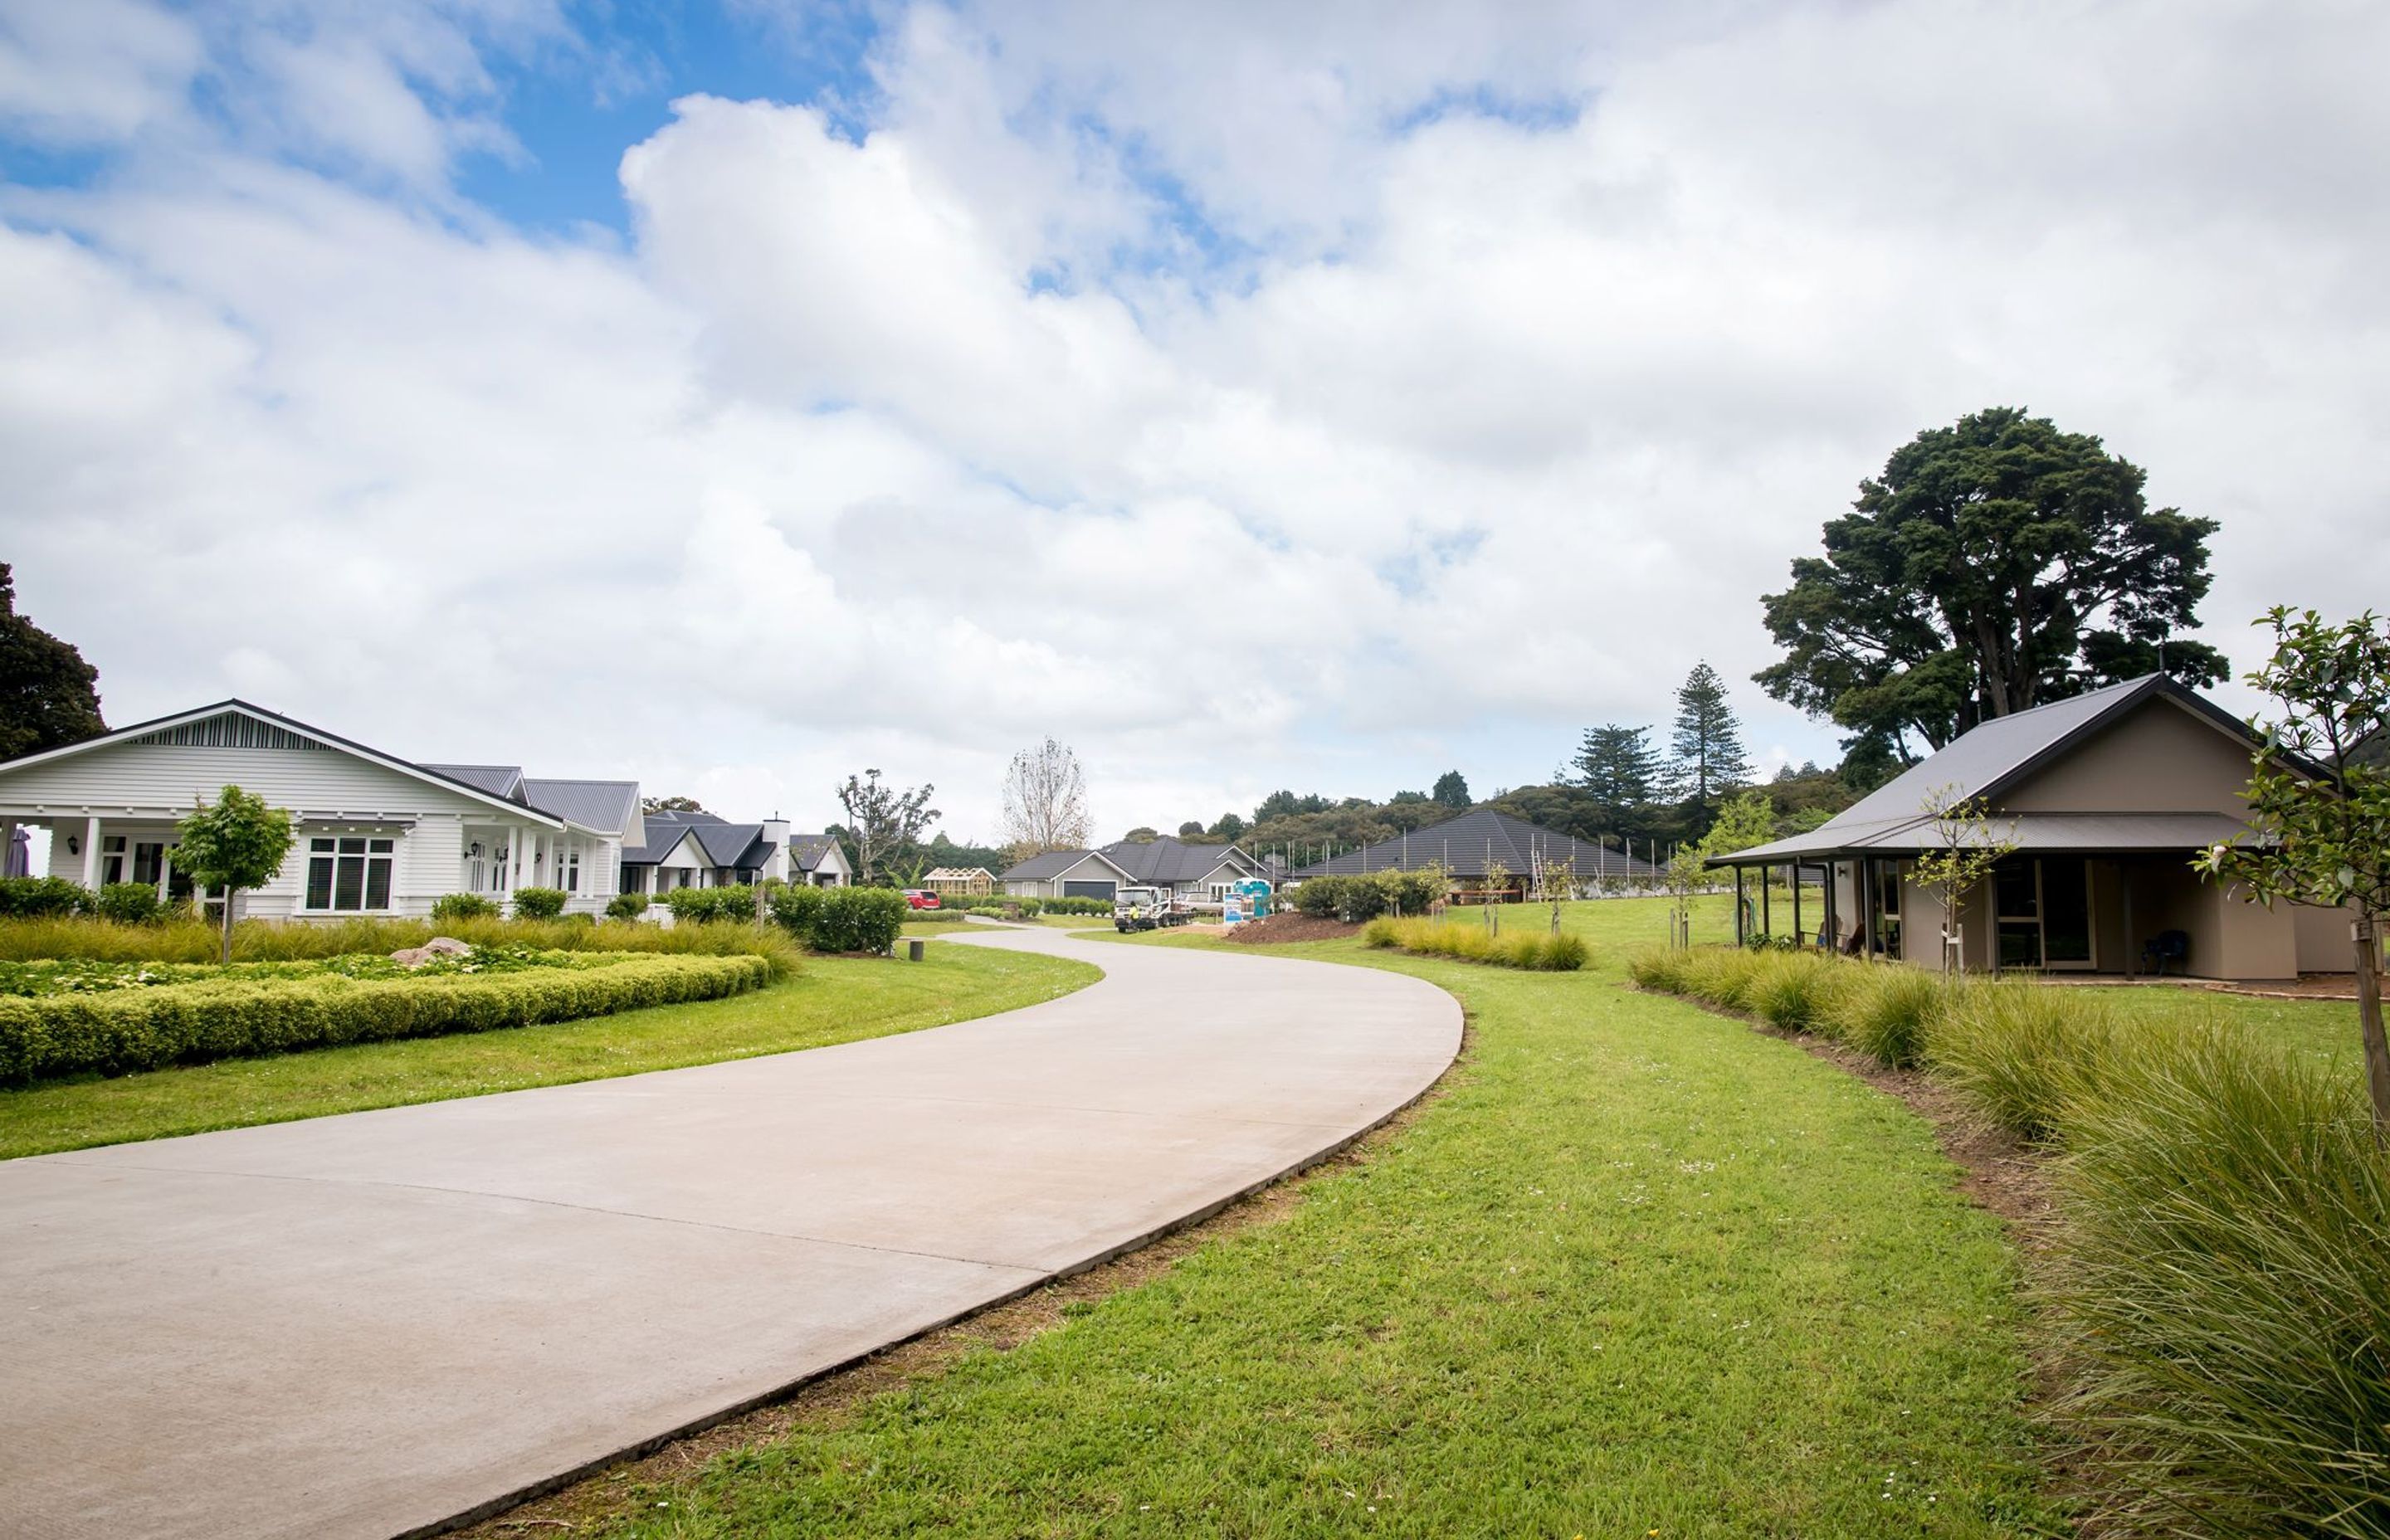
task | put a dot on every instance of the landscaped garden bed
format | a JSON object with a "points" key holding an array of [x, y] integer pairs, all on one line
{"points": [[1471, 941], [269, 1008]]}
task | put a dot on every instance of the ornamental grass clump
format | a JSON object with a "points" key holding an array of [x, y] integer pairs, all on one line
{"points": [[2225, 1290], [1470, 943], [2019, 1051], [1885, 1012], [1799, 991]]}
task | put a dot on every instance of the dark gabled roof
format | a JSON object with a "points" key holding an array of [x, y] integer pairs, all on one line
{"points": [[806, 851], [498, 780], [1054, 862], [605, 806], [1465, 843], [1994, 757], [1170, 860]]}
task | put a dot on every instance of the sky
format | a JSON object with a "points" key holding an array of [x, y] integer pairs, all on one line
{"points": [[736, 396]]}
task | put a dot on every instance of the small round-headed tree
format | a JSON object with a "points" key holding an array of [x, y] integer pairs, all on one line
{"points": [[2320, 800], [237, 844]]}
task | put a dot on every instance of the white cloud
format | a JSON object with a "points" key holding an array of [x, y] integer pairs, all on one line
{"points": [[1309, 400]]}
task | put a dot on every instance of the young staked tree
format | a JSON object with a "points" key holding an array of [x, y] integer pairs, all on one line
{"points": [[48, 695], [883, 820], [237, 844], [2320, 800], [1707, 741], [1044, 800], [1995, 565], [1970, 847]]}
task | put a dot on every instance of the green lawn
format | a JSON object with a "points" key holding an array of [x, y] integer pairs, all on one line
{"points": [[1636, 1271], [833, 1000]]}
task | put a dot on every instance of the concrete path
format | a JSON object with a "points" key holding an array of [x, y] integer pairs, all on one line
{"points": [[368, 1325]]}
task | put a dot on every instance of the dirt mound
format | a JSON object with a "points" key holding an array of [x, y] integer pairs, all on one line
{"points": [[1290, 926]]}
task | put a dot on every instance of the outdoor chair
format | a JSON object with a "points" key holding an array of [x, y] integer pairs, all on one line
{"points": [[2171, 947]]}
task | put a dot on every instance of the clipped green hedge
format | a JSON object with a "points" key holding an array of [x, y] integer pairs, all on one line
{"points": [[124, 1031]]}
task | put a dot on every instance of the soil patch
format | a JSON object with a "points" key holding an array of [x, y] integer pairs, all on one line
{"points": [[1288, 926]]}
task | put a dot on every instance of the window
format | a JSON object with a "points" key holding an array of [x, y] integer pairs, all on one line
{"points": [[568, 869], [122, 859], [350, 872], [111, 858]]}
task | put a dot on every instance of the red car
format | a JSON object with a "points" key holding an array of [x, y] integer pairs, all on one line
{"points": [[921, 900]]}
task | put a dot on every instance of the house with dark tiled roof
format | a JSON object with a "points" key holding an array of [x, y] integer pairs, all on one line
{"points": [[1066, 874], [2105, 798], [702, 850], [1194, 873]]}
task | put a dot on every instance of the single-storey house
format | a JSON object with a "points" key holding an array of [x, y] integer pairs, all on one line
{"points": [[1192, 873], [2106, 797], [959, 882], [1471, 845], [374, 834], [700, 850], [1067, 873]]}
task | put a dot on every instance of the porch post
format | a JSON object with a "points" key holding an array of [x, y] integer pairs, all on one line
{"points": [[1767, 900], [1796, 870], [2124, 890], [91, 853], [9, 848], [1738, 937]]}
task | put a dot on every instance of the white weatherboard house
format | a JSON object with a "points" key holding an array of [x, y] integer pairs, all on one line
{"points": [[698, 850], [373, 834]]}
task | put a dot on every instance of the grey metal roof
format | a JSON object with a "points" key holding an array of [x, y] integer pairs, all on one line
{"points": [[498, 780], [1994, 756], [1464, 845], [607, 806], [1051, 865], [1170, 860]]}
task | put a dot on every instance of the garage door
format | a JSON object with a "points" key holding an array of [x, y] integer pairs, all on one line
{"points": [[1090, 890]]}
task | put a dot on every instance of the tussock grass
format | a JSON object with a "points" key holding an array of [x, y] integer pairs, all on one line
{"points": [[1536, 951], [1887, 1017]]}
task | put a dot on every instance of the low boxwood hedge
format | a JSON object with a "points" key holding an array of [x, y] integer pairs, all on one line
{"points": [[124, 1031]]}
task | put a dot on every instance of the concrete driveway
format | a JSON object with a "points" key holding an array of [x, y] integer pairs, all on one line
{"points": [[369, 1324]]}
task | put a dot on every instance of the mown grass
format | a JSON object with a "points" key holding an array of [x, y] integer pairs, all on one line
{"points": [[2221, 1268], [833, 1000], [1634, 1271]]}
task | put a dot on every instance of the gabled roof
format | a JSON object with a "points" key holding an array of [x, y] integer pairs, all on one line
{"points": [[221, 723], [1466, 844], [1169, 860], [1994, 757], [609, 807], [1054, 862], [498, 780], [806, 851]]}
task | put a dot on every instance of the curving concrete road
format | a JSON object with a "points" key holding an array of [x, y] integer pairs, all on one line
{"points": [[370, 1325]]}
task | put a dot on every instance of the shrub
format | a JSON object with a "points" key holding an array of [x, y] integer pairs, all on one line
{"points": [[539, 903], [464, 906], [796, 909], [2226, 1290], [129, 904], [708, 905], [626, 906], [1467, 942], [42, 897], [1076, 906], [122, 1031], [858, 919], [936, 916]]}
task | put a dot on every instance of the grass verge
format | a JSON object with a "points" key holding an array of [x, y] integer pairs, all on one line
{"points": [[1635, 1270], [834, 1000]]}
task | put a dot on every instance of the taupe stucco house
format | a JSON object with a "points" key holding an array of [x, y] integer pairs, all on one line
{"points": [[2107, 797]]}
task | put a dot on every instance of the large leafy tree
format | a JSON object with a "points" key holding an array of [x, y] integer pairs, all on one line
{"points": [[48, 695], [1707, 739], [1996, 564], [1451, 791]]}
